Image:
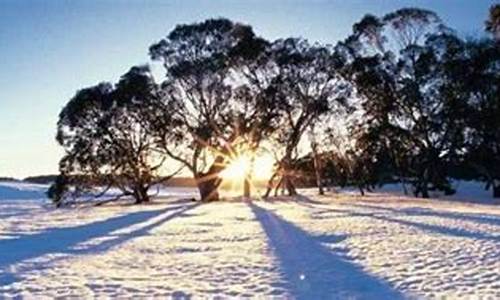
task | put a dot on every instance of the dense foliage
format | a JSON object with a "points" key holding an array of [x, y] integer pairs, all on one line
{"points": [[402, 98]]}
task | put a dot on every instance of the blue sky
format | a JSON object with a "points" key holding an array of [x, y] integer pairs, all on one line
{"points": [[49, 49]]}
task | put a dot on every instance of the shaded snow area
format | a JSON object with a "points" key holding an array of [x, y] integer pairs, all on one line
{"points": [[15, 190], [338, 246]]}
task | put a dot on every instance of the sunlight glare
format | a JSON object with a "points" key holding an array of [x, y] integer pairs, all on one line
{"points": [[238, 168]]}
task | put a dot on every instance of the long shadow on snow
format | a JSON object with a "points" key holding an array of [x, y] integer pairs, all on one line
{"points": [[121, 238], [450, 231], [415, 211], [443, 230], [61, 240], [314, 272]]}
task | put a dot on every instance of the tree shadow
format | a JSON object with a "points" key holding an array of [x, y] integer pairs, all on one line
{"points": [[444, 230], [301, 199], [180, 295], [121, 238], [439, 229], [298, 199], [311, 270], [408, 212], [426, 212], [63, 240]]}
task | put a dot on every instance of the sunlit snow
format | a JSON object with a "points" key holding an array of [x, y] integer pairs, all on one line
{"points": [[381, 246]]}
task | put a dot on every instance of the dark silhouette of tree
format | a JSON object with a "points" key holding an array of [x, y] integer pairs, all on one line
{"points": [[394, 65], [412, 100], [316, 156], [252, 69], [474, 71], [214, 113], [493, 22], [350, 161], [107, 138], [307, 86]]}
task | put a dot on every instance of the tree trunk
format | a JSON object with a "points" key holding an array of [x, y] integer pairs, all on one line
{"points": [[422, 188], [399, 171], [287, 176], [425, 189], [425, 184], [246, 188], [416, 191], [403, 183], [141, 195], [285, 180], [290, 187], [279, 187], [361, 190], [317, 168], [496, 190], [248, 178], [208, 190], [208, 183], [270, 185], [487, 186], [316, 160]]}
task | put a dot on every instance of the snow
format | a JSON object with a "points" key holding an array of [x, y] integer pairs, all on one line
{"points": [[467, 191], [381, 246], [15, 190]]}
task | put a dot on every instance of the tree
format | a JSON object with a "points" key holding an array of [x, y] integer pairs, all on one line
{"points": [[213, 112], [394, 63], [317, 162], [475, 72], [350, 160], [307, 86], [108, 141], [253, 71], [493, 22]]}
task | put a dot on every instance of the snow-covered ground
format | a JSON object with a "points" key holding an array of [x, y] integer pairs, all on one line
{"points": [[338, 246]]}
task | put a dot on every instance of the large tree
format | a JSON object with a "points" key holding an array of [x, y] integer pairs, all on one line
{"points": [[215, 112], [394, 63], [108, 140], [306, 87], [474, 72]]}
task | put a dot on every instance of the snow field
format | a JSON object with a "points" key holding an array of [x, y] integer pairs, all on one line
{"points": [[336, 246]]}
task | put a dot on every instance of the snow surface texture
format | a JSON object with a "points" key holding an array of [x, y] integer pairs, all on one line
{"points": [[339, 246]]}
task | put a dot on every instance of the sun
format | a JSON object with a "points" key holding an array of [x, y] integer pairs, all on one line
{"points": [[240, 166], [237, 168]]}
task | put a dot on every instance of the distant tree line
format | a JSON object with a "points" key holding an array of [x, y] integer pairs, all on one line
{"points": [[401, 98], [8, 179], [41, 179]]}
